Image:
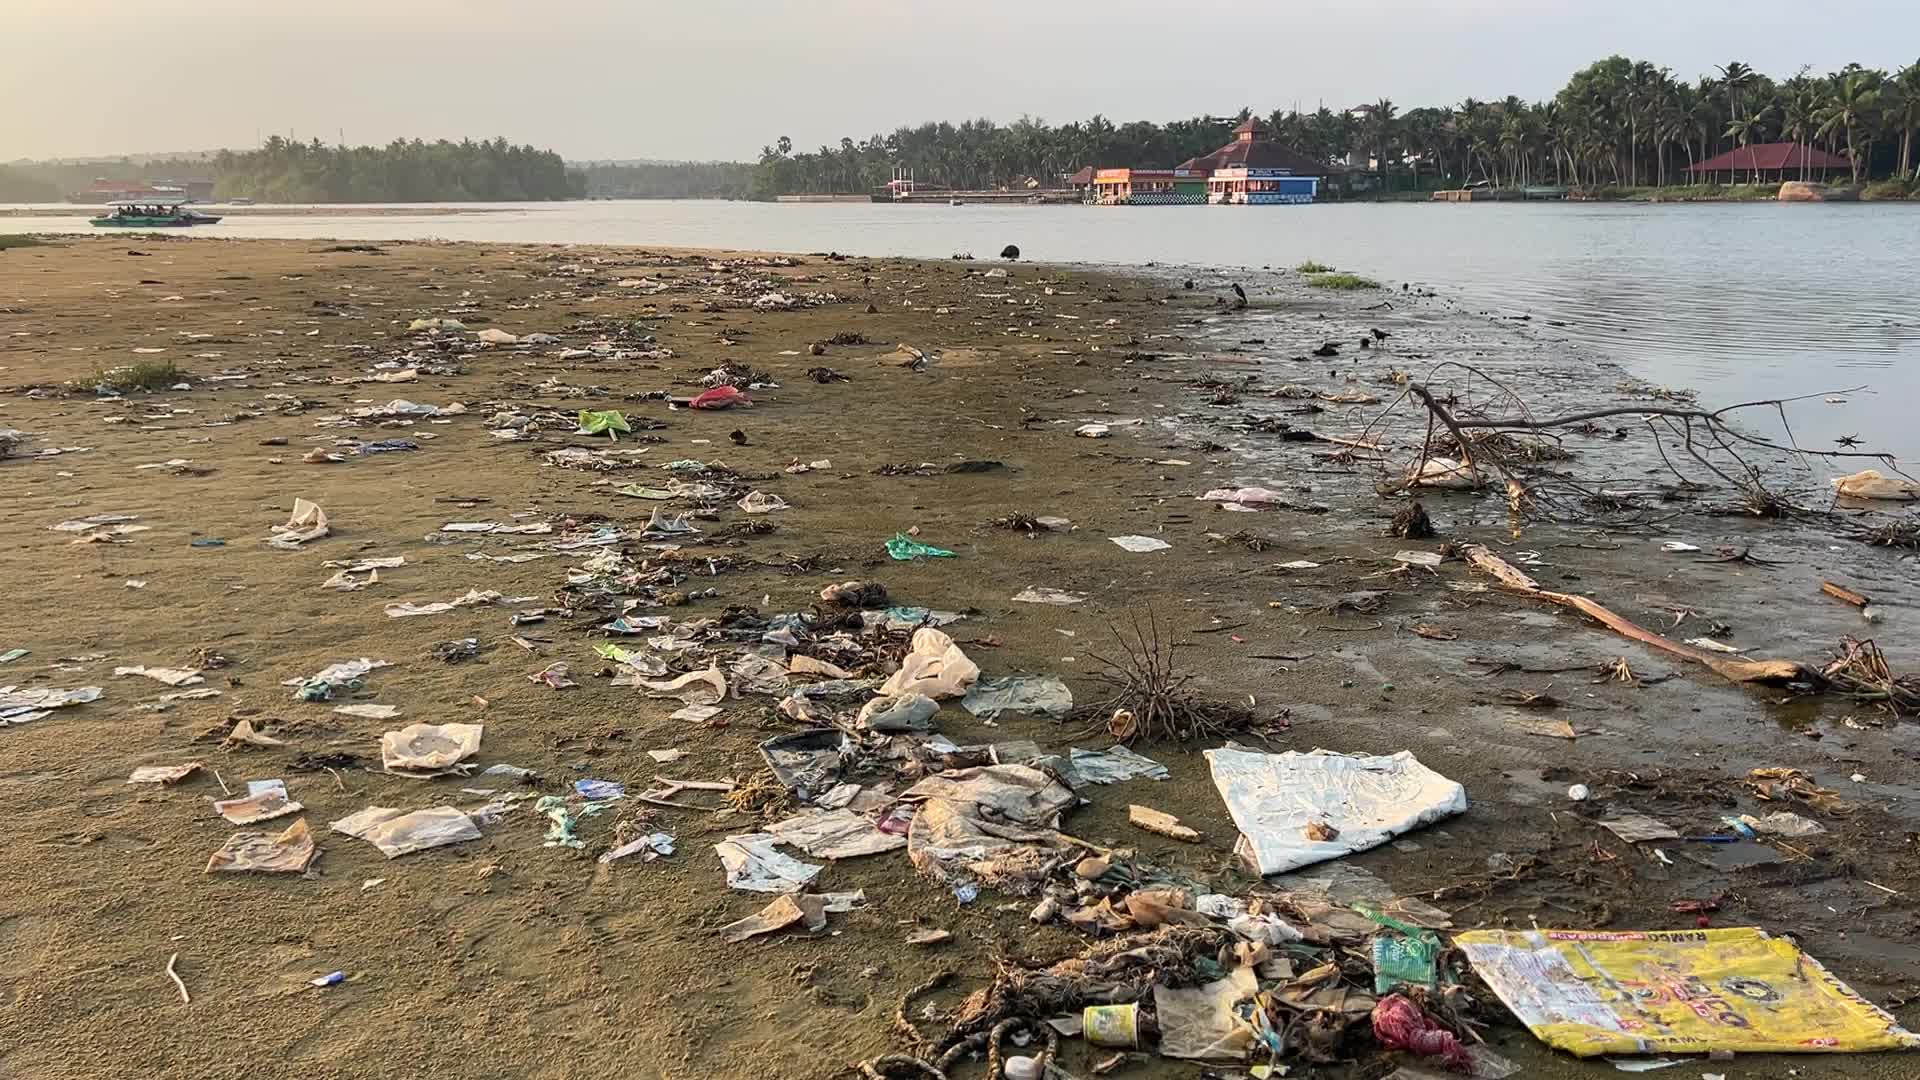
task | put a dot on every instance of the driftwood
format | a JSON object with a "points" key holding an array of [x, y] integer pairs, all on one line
{"points": [[1496, 437], [1740, 671]]}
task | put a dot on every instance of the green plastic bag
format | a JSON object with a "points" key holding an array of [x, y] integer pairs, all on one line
{"points": [[1407, 957], [603, 422], [906, 548]]}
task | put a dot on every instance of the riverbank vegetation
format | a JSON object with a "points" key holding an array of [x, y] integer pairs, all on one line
{"points": [[282, 170], [666, 179], [1341, 282], [1618, 123]]}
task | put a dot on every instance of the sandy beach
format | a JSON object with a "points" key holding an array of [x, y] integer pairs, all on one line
{"points": [[952, 399]]}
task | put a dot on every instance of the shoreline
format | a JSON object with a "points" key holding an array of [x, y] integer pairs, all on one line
{"points": [[1011, 364]]}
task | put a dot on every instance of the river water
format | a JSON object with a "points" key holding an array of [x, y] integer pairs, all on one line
{"points": [[1739, 301]]}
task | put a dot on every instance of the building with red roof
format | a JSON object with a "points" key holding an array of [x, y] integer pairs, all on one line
{"points": [[1252, 169], [1780, 159]]}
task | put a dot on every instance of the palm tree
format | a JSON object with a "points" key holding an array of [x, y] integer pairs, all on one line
{"points": [[1378, 130], [1742, 130], [1799, 122], [1851, 105], [1901, 99], [1734, 77]]}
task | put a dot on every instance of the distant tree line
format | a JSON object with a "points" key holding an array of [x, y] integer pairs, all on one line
{"points": [[401, 171], [1618, 122], [667, 180], [20, 186], [282, 170]]}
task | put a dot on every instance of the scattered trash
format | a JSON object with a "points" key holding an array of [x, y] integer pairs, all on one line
{"points": [[397, 833], [1162, 823], [1783, 823], [307, 522], [807, 762], [427, 750], [1203, 1023], [752, 864], [789, 910], [706, 687], [1093, 431], [1637, 828], [347, 676], [169, 676], [720, 397], [1246, 496], [935, 667], [19, 706], [288, 852], [1403, 955], [1367, 799], [11, 655], [369, 712], [1767, 996], [890, 713], [1870, 484], [472, 598], [987, 823], [609, 422], [905, 548], [264, 801], [163, 774], [243, 734], [1445, 473], [1026, 695], [648, 847], [834, 834], [1040, 595], [599, 789], [1400, 1024], [759, 502], [1141, 544], [1111, 1025], [1675, 547], [1113, 765]]}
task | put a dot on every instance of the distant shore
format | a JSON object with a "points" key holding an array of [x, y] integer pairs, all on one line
{"points": [[314, 210]]}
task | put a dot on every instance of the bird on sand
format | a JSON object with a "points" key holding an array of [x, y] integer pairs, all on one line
{"points": [[739, 437], [1010, 252], [1241, 293]]}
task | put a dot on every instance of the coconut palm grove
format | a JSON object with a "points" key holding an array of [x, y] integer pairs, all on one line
{"points": [[1617, 124]]}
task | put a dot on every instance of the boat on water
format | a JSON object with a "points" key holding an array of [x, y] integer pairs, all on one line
{"points": [[133, 214]]}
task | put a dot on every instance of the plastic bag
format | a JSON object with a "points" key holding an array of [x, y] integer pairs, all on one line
{"points": [[935, 667], [1687, 991], [602, 422], [905, 548], [1870, 484]]}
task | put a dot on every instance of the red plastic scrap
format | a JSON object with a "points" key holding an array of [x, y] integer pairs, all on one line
{"points": [[1400, 1024], [720, 397]]}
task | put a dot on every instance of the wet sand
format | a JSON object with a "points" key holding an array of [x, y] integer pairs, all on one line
{"points": [[501, 957]]}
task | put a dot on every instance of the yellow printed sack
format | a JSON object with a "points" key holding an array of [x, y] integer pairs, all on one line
{"points": [[1684, 991]]}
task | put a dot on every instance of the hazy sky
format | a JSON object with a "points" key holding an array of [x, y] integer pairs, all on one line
{"points": [[720, 78]]}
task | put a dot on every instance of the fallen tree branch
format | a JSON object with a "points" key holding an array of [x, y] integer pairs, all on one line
{"points": [[1739, 671]]}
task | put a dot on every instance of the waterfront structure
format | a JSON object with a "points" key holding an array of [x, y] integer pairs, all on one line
{"points": [[1149, 187], [1253, 169], [1256, 186], [1784, 160]]}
